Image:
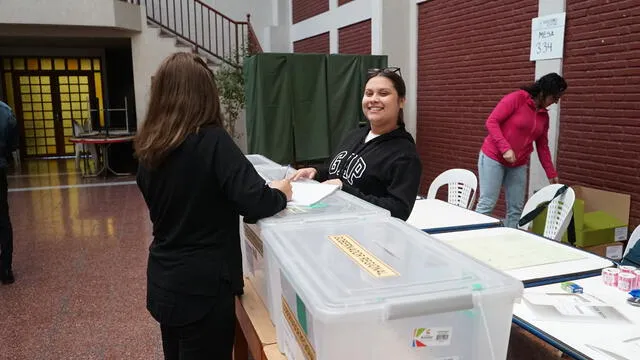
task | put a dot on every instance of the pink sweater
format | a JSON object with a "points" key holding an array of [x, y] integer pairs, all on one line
{"points": [[515, 124]]}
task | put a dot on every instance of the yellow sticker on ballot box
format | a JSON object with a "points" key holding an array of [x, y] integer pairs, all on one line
{"points": [[363, 257]]}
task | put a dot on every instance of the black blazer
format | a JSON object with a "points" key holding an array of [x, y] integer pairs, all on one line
{"points": [[195, 198]]}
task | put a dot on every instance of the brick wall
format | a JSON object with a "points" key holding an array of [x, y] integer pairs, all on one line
{"points": [[342, 2], [600, 113], [305, 9], [355, 38], [316, 44], [470, 54]]}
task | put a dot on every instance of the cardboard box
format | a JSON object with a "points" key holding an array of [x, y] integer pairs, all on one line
{"points": [[611, 251], [606, 215], [600, 217]]}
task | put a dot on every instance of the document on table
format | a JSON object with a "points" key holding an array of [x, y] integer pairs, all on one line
{"points": [[505, 252], [568, 307], [309, 193], [618, 349]]}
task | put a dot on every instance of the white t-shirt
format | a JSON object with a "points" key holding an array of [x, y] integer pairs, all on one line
{"points": [[370, 136]]}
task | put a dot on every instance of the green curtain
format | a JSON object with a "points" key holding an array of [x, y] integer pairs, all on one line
{"points": [[310, 113], [299, 106], [346, 78], [343, 94], [366, 63], [268, 110]]}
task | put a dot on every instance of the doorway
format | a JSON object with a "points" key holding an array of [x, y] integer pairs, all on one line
{"points": [[48, 96]]}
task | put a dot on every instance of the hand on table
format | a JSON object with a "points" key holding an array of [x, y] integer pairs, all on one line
{"points": [[334, 182]]}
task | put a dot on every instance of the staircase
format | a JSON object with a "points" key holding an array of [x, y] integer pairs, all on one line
{"points": [[186, 25], [196, 26]]}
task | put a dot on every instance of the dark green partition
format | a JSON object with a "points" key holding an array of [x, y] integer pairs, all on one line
{"points": [[268, 109], [308, 74], [299, 106]]}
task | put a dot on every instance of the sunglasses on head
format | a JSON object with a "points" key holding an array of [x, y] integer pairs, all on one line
{"points": [[387, 70]]}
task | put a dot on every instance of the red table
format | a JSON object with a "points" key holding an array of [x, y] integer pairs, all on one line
{"points": [[103, 142]]}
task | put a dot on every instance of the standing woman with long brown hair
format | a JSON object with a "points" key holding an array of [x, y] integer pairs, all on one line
{"points": [[196, 182]]}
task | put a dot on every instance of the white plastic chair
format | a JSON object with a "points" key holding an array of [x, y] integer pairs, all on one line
{"points": [[633, 239], [559, 210], [82, 148], [462, 186], [16, 157]]}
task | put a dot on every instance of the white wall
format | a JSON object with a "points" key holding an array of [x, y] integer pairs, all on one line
{"points": [[95, 13], [537, 176], [394, 31], [261, 11], [278, 37], [148, 50]]}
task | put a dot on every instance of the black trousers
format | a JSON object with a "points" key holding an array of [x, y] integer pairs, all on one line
{"points": [[6, 232], [209, 338]]}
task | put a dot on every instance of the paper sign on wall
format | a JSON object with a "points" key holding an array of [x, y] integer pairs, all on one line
{"points": [[547, 37]]}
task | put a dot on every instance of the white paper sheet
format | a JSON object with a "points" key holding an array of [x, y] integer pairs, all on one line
{"points": [[309, 193], [624, 349], [572, 308]]}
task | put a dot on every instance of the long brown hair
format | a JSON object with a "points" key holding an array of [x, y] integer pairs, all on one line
{"points": [[184, 97]]}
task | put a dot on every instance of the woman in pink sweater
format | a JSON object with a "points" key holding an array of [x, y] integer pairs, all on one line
{"points": [[519, 120]]}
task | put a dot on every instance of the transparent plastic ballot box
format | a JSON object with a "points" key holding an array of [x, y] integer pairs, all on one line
{"points": [[258, 160], [269, 170], [379, 289], [339, 205]]}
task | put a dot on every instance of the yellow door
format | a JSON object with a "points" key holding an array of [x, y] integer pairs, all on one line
{"points": [[74, 93], [47, 95], [37, 112]]}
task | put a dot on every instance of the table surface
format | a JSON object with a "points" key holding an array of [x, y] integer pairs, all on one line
{"points": [[510, 244], [429, 214], [101, 139], [582, 336], [258, 314], [259, 331], [272, 353]]}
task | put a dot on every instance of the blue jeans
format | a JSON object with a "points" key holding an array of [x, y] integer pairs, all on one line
{"points": [[493, 176]]}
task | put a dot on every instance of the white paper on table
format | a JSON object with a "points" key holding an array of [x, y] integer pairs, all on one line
{"points": [[572, 308], [309, 193], [626, 349], [552, 298]]}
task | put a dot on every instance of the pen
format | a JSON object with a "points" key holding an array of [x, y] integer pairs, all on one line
{"points": [[286, 171]]}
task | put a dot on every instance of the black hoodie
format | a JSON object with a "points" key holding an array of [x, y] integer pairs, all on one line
{"points": [[385, 171]]}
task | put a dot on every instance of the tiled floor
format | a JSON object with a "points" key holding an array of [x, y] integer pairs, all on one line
{"points": [[80, 260]]}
